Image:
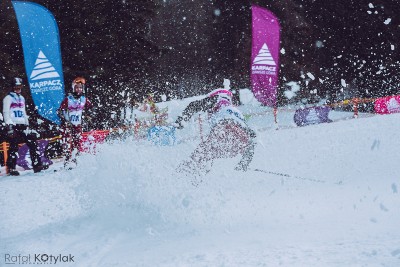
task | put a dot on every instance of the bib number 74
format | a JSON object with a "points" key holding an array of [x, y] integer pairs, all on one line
{"points": [[75, 118]]}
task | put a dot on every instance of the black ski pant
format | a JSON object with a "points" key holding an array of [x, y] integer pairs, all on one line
{"points": [[20, 135]]}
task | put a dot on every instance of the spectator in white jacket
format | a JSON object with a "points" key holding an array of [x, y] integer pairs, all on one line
{"points": [[17, 130]]}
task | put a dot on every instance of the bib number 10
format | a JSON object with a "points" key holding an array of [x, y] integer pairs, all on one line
{"points": [[18, 114]]}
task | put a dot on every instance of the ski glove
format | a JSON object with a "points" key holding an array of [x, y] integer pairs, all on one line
{"points": [[65, 123], [178, 123], [31, 133], [10, 130], [88, 118]]}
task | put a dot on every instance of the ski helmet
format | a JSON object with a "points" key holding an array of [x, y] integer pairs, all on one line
{"points": [[224, 98], [221, 93], [16, 82], [79, 80]]}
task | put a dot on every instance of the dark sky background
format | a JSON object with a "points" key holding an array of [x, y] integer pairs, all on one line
{"points": [[187, 47]]}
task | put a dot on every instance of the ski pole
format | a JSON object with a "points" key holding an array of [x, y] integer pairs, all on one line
{"points": [[289, 176], [201, 128]]}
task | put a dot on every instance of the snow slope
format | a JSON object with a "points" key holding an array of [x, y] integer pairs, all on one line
{"points": [[338, 205]]}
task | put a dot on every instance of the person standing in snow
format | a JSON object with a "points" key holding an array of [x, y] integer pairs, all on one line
{"points": [[17, 128], [229, 135], [70, 112]]}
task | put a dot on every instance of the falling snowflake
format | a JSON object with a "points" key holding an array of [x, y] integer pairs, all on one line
{"points": [[311, 76]]}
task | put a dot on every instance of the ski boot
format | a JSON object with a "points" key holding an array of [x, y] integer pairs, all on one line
{"points": [[13, 172]]}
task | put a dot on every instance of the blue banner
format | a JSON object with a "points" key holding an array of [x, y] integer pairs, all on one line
{"points": [[42, 54]]}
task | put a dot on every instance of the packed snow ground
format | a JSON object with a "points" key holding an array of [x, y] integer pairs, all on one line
{"points": [[126, 205]]}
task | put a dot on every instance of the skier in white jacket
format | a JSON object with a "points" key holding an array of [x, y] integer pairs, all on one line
{"points": [[229, 135]]}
